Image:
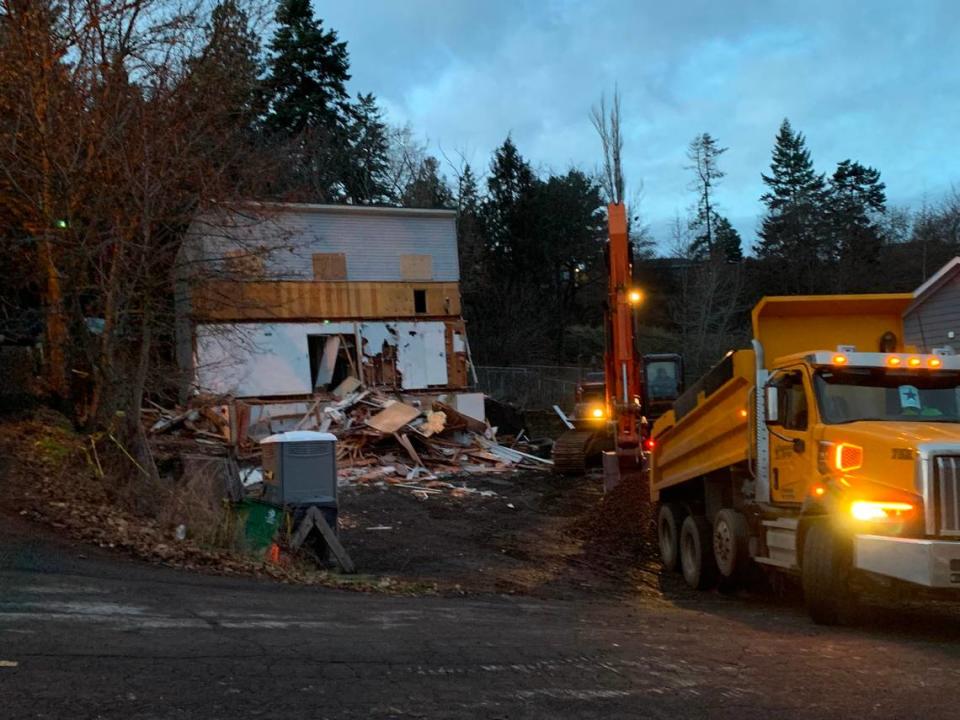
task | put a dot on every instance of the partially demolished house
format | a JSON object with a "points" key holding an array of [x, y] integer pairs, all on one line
{"points": [[282, 300]]}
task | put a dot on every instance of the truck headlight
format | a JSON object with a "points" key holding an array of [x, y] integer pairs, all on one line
{"points": [[879, 511]]}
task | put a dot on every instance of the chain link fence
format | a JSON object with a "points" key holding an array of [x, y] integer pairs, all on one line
{"points": [[531, 387]]}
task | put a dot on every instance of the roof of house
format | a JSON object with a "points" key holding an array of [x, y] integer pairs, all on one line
{"points": [[934, 283], [380, 210]]}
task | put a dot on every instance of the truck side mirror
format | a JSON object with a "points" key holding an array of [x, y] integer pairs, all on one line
{"points": [[772, 405]]}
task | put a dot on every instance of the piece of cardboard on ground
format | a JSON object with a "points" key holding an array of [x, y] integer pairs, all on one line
{"points": [[393, 417], [347, 386]]}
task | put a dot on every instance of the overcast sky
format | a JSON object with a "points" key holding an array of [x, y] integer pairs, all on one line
{"points": [[875, 81]]}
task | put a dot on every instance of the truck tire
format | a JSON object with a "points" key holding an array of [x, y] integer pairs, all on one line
{"points": [[696, 553], [730, 538], [669, 518], [826, 575]]}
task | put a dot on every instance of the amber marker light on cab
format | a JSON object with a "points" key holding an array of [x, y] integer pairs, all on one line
{"points": [[894, 361], [870, 510], [847, 457], [934, 362], [914, 362], [839, 359]]}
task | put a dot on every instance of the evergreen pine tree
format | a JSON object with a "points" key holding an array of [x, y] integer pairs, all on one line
{"points": [[229, 66], [428, 189], [856, 197], [726, 240], [792, 233], [703, 153], [508, 207], [369, 156], [307, 73]]}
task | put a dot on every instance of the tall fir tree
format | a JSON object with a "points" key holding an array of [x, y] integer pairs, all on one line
{"points": [[428, 188], [792, 234], [308, 112], [307, 73], [704, 153], [727, 240], [713, 236], [508, 207], [230, 65], [856, 199], [367, 182]]}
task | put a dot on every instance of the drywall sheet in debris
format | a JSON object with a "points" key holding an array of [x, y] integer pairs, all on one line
{"points": [[257, 359]]}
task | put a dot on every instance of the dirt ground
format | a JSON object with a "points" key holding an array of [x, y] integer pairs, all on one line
{"points": [[542, 534], [535, 533]]}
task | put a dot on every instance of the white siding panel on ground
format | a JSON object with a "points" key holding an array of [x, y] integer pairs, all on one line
{"points": [[373, 242]]}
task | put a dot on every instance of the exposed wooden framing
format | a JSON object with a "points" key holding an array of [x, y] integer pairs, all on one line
{"points": [[220, 300]]}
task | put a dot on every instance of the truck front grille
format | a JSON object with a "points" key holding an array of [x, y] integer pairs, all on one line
{"points": [[946, 486]]}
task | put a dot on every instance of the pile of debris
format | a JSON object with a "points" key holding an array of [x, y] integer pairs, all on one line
{"points": [[413, 442]]}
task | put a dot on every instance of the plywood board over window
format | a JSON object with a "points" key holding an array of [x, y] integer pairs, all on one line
{"points": [[329, 266], [416, 267], [244, 263]]}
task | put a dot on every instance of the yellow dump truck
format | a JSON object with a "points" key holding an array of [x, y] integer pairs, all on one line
{"points": [[829, 451]]}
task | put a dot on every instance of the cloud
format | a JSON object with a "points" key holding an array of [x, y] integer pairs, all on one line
{"points": [[872, 81]]}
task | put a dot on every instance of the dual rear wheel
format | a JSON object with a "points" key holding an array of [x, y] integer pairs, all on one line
{"points": [[703, 553]]}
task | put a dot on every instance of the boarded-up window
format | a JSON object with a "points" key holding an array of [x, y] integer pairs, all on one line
{"points": [[416, 267], [329, 266], [244, 263]]}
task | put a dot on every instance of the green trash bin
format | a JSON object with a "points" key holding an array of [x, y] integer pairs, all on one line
{"points": [[260, 523]]}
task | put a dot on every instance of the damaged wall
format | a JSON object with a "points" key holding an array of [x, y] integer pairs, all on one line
{"points": [[273, 359]]}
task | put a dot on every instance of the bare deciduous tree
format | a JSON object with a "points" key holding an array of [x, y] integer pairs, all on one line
{"points": [[607, 124], [108, 149]]}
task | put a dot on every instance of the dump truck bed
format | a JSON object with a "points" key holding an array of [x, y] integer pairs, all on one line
{"points": [[707, 429]]}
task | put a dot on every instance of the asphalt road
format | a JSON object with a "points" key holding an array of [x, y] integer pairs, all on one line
{"points": [[91, 636]]}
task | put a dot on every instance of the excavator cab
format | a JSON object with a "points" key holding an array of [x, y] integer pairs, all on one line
{"points": [[662, 383]]}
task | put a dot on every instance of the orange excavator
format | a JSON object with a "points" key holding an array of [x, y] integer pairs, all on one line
{"points": [[613, 414]]}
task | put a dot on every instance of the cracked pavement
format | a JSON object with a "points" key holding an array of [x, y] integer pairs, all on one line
{"points": [[87, 635]]}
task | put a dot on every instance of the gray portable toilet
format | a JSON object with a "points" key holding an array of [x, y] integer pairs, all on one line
{"points": [[300, 469]]}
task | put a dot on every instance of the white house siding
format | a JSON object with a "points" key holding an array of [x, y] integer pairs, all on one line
{"points": [[273, 359], [372, 239]]}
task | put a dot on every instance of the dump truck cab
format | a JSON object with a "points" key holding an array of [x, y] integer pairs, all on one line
{"points": [[829, 451]]}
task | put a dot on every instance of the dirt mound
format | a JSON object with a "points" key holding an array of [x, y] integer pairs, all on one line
{"points": [[619, 534]]}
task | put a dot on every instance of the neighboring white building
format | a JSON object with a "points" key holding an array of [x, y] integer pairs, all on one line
{"points": [[933, 319], [282, 299]]}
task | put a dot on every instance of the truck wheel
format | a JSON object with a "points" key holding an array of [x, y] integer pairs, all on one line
{"points": [[730, 543], [668, 533], [696, 553], [826, 575]]}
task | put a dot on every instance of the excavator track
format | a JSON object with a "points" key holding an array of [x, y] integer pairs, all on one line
{"points": [[571, 450]]}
